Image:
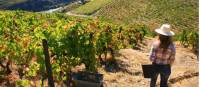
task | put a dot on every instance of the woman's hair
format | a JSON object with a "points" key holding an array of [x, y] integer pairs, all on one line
{"points": [[165, 41]]}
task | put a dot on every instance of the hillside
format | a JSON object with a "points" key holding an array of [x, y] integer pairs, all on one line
{"points": [[71, 40], [184, 70], [182, 14], [6, 3], [91, 7], [110, 37]]}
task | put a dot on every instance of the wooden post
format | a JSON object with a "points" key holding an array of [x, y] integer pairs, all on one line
{"points": [[47, 63]]}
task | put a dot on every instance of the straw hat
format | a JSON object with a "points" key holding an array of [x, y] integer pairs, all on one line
{"points": [[165, 30]]}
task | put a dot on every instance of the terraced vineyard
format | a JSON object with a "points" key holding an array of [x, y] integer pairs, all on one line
{"points": [[113, 40], [71, 41], [182, 14]]}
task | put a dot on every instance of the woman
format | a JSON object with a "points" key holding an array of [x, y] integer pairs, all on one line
{"points": [[162, 55]]}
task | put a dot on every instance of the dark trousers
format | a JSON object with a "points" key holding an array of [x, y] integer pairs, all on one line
{"points": [[164, 71]]}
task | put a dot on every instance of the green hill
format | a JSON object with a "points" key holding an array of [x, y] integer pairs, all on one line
{"points": [[7, 3], [91, 7], [182, 14]]}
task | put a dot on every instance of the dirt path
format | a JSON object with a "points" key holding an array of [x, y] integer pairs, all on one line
{"points": [[72, 14], [184, 70]]}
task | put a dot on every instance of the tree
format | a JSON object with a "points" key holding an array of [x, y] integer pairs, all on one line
{"points": [[82, 1]]}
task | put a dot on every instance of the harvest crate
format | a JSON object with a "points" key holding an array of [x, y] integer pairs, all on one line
{"points": [[87, 79]]}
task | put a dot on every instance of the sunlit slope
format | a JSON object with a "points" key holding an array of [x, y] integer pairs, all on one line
{"points": [[182, 14]]}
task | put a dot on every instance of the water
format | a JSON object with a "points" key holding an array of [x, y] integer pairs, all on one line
{"points": [[37, 5], [52, 10]]}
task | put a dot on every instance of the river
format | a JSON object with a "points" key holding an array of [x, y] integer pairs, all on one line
{"points": [[37, 5]]}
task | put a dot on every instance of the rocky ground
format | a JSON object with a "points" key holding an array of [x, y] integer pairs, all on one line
{"points": [[184, 70]]}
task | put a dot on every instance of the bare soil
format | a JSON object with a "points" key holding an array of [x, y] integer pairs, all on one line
{"points": [[184, 70]]}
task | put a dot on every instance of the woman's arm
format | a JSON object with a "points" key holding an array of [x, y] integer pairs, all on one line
{"points": [[172, 57], [152, 54]]}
